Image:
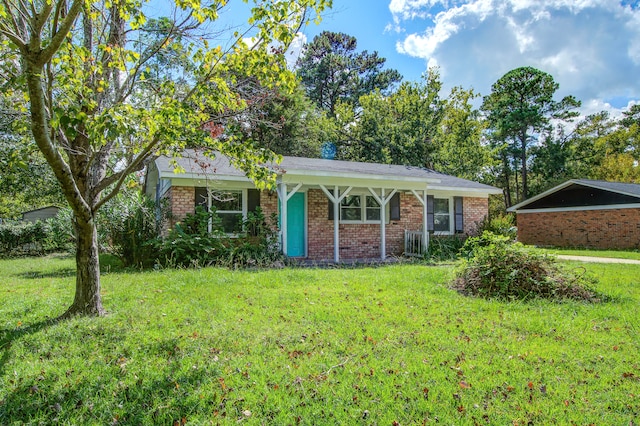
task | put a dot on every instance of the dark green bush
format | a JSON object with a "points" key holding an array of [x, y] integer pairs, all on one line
{"points": [[199, 240], [60, 234], [190, 243], [445, 247], [36, 238], [259, 246], [129, 226], [498, 268]]}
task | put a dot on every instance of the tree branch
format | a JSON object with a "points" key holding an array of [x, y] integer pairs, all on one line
{"points": [[40, 129], [119, 177], [57, 39]]}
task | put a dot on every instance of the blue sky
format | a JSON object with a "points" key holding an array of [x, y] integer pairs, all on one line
{"points": [[590, 47]]}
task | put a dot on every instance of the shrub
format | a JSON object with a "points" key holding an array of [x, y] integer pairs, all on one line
{"points": [[60, 234], [445, 247], [190, 243], [259, 246], [503, 224], [498, 268], [199, 240], [36, 238], [129, 227]]}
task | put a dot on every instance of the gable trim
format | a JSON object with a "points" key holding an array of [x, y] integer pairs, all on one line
{"points": [[517, 208], [581, 208]]}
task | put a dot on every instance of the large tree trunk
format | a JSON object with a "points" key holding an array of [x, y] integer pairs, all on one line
{"points": [[525, 183], [507, 185], [87, 300]]}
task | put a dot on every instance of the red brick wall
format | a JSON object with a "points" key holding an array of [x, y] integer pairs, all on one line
{"points": [[474, 210], [361, 240], [608, 229], [268, 202], [182, 200], [357, 241]]}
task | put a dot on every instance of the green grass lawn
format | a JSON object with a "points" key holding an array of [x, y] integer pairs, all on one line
{"points": [[313, 346], [619, 254]]}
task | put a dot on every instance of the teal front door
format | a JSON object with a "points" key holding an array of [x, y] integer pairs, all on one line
{"points": [[295, 225]]}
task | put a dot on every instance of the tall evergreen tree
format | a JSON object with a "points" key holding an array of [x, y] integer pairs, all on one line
{"points": [[332, 71], [518, 109]]}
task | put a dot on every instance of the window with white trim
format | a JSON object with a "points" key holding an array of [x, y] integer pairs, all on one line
{"points": [[372, 209], [441, 215], [353, 209], [229, 208]]}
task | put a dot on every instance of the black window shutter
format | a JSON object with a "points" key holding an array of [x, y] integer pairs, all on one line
{"points": [[394, 207], [330, 204], [459, 218], [430, 220], [253, 199], [201, 197]]}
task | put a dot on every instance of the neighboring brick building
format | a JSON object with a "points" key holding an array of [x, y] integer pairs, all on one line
{"points": [[582, 213], [371, 200]]}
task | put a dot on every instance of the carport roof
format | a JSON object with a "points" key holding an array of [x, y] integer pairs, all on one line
{"points": [[628, 189]]}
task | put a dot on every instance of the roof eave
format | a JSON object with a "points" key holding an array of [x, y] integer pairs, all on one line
{"points": [[542, 195], [351, 175]]}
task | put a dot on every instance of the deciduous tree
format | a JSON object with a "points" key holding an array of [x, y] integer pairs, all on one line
{"points": [[98, 111], [398, 128]]}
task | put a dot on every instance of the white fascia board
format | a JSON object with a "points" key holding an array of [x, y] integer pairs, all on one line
{"points": [[469, 192], [355, 179], [581, 208], [213, 182]]}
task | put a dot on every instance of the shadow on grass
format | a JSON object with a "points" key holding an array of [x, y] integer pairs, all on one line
{"points": [[122, 396], [58, 273], [9, 335], [109, 264]]}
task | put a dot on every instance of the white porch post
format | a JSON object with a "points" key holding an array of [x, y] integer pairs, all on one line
{"points": [[336, 224], [284, 197], [425, 223], [336, 198], [425, 232], [383, 201]]}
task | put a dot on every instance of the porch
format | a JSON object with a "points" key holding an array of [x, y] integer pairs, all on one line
{"points": [[372, 222]]}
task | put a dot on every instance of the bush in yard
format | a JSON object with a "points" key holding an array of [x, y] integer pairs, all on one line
{"points": [[503, 224], [499, 268], [129, 226], [36, 238], [259, 245], [198, 240], [445, 247], [60, 236]]}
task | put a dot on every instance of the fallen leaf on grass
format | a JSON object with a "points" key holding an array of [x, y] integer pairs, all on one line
{"points": [[464, 385]]}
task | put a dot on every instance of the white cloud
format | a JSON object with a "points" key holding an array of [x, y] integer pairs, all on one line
{"points": [[295, 49], [590, 47]]}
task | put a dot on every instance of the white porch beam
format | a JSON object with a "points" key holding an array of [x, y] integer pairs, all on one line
{"points": [[383, 201], [336, 198]]}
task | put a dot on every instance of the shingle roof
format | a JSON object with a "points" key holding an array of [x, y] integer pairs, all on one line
{"points": [[194, 162], [632, 189]]}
